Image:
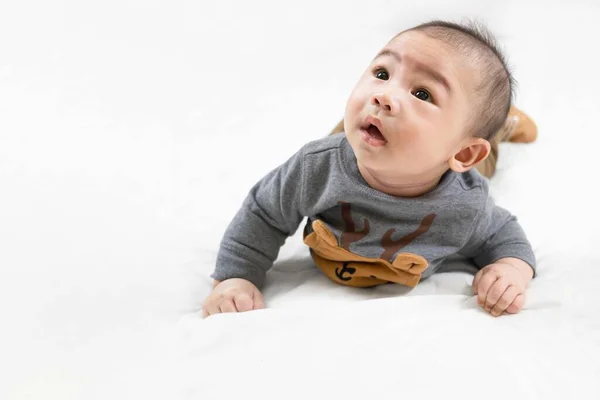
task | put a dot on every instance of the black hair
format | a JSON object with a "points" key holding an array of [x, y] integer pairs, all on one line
{"points": [[496, 85]]}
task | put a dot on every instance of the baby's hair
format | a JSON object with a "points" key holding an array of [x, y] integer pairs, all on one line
{"points": [[496, 83]]}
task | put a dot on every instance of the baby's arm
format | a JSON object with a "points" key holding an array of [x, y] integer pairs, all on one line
{"points": [[270, 213], [500, 248]]}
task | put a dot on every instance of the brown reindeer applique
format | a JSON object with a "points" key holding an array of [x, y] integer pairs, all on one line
{"points": [[350, 235], [393, 246], [342, 266]]}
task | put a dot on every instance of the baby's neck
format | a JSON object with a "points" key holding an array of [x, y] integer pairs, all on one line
{"points": [[399, 187]]}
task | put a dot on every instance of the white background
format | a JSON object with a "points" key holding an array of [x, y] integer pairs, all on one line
{"points": [[130, 131]]}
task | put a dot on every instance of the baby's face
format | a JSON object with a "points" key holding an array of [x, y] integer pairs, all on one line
{"points": [[408, 113]]}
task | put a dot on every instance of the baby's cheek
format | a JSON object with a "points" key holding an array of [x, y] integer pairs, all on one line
{"points": [[355, 103], [411, 138], [416, 151], [360, 95]]}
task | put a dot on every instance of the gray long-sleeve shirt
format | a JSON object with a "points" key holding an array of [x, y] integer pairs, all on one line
{"points": [[322, 182]]}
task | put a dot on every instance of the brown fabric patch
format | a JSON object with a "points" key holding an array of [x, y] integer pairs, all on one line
{"points": [[344, 267]]}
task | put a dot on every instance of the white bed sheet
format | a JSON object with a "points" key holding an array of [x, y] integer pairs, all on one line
{"points": [[129, 135]]}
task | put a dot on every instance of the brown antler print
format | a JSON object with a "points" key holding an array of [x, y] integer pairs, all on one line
{"points": [[350, 234], [391, 247]]}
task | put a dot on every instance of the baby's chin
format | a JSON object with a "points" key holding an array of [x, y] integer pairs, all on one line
{"points": [[375, 163]]}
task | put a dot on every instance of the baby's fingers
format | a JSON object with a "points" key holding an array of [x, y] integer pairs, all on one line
{"points": [[258, 301], [506, 300], [209, 308], [516, 305], [243, 302], [486, 282], [495, 293], [227, 306]]}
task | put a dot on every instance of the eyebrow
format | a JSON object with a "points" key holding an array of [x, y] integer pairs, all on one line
{"points": [[423, 67]]}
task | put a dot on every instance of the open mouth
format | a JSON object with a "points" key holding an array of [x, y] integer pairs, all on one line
{"points": [[371, 132], [374, 132]]}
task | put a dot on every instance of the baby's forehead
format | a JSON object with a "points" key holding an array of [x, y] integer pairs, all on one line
{"points": [[415, 44], [417, 49]]}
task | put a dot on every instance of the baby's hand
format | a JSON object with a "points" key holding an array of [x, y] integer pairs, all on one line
{"points": [[232, 295], [500, 287]]}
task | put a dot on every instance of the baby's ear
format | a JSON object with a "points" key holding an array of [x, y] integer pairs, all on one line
{"points": [[471, 154]]}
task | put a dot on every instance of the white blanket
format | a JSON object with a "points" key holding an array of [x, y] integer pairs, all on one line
{"points": [[130, 132]]}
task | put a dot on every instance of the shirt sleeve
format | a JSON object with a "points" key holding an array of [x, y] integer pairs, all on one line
{"points": [[270, 213], [496, 234]]}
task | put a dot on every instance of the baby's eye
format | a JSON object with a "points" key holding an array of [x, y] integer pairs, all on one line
{"points": [[423, 94], [382, 74]]}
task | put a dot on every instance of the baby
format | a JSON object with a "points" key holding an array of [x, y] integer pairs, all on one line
{"points": [[397, 193]]}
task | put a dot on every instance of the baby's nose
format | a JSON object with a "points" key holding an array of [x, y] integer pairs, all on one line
{"points": [[385, 101]]}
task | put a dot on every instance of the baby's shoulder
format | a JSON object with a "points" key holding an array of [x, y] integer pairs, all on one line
{"points": [[470, 188], [326, 144], [473, 181], [320, 158]]}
